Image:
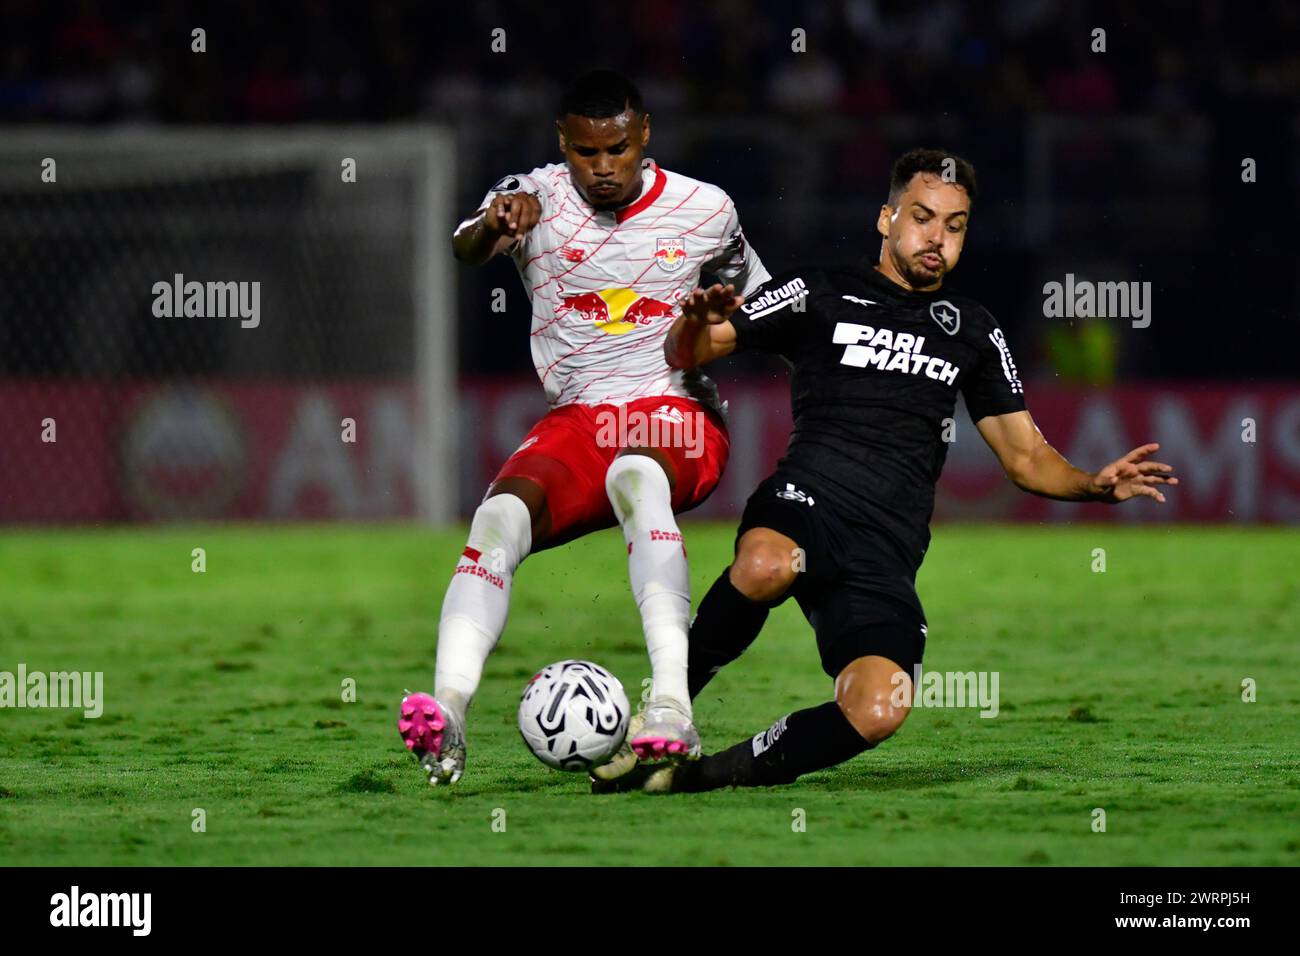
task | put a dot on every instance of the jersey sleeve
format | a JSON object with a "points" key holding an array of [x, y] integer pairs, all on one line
{"points": [[517, 183], [775, 316], [735, 260], [521, 183], [994, 386]]}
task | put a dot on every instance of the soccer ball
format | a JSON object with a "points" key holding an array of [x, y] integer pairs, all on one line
{"points": [[573, 715]]}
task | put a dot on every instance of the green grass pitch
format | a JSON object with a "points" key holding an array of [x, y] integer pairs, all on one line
{"points": [[1120, 690]]}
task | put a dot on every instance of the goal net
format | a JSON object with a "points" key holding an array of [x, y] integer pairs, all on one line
{"points": [[207, 325]]}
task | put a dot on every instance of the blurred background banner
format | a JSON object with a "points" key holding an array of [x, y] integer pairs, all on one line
{"points": [[305, 169], [1225, 479], [239, 450]]}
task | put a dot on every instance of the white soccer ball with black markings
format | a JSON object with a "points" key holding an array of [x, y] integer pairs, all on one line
{"points": [[573, 715]]}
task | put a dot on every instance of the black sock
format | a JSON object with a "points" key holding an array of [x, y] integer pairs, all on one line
{"points": [[798, 743], [725, 624]]}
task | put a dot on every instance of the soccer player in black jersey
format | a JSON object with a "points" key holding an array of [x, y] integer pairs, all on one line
{"points": [[879, 352]]}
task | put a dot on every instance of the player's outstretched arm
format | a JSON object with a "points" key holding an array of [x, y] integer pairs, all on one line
{"points": [[493, 228], [1037, 467], [703, 332]]}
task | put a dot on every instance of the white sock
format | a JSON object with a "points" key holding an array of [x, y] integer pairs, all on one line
{"points": [[656, 567], [477, 603]]}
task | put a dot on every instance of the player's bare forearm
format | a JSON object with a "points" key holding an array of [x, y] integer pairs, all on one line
{"points": [[1046, 473], [687, 344], [473, 242], [1038, 468], [703, 332], [493, 228]]}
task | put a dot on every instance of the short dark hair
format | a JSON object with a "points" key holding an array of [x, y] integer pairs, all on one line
{"points": [[937, 161], [599, 94]]}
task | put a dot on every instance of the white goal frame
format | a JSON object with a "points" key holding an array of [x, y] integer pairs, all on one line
{"points": [[427, 148]]}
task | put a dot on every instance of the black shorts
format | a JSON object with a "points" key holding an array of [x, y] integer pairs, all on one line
{"points": [[859, 597]]}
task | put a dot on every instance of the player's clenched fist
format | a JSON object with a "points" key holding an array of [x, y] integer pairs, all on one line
{"points": [[513, 214], [713, 305]]}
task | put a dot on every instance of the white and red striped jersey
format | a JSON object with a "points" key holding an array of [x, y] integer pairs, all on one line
{"points": [[604, 286]]}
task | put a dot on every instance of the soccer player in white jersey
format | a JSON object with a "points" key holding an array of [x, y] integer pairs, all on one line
{"points": [[606, 244]]}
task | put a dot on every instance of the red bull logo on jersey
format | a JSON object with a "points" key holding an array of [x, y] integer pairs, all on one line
{"points": [[670, 252], [614, 311]]}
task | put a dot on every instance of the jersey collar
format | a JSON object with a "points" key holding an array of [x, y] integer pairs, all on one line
{"points": [[647, 197]]}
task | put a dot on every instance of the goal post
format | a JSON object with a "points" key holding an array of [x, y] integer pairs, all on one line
{"points": [[250, 283]]}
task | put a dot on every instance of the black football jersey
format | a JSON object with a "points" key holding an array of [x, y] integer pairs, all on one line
{"points": [[876, 372]]}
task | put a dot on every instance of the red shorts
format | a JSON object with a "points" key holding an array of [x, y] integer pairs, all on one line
{"points": [[568, 452]]}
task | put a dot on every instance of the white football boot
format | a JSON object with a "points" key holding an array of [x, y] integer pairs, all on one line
{"points": [[435, 735], [668, 733]]}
